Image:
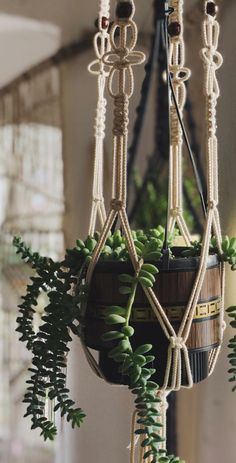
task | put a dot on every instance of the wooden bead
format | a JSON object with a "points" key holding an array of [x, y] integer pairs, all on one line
{"points": [[104, 22], [124, 10], [174, 29], [211, 8]]}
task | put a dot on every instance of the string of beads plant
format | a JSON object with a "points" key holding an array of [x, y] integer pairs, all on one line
{"points": [[62, 316], [67, 285]]}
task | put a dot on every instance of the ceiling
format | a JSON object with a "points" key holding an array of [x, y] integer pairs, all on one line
{"points": [[30, 30]]}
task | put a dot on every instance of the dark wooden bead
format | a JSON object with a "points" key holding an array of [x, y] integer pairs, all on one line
{"points": [[174, 29], [211, 8], [124, 10], [104, 22]]}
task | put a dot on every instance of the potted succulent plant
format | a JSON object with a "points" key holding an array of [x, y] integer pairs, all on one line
{"points": [[132, 350], [125, 293]]}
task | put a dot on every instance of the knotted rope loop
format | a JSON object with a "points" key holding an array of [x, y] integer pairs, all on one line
{"points": [[122, 60], [211, 57], [117, 205], [177, 342], [177, 52], [176, 211], [119, 37], [98, 199], [213, 60], [101, 44], [211, 32], [122, 57], [212, 204], [180, 75]]}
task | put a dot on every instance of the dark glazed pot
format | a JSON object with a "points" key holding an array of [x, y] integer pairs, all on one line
{"points": [[173, 288]]}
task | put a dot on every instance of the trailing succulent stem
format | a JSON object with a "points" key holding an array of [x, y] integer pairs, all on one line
{"points": [[49, 344], [61, 315], [63, 286], [135, 364]]}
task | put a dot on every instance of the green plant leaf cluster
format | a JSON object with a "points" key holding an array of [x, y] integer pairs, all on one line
{"points": [[49, 345], [62, 315], [228, 248], [229, 251], [194, 250]]}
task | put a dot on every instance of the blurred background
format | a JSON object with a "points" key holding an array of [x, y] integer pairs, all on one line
{"points": [[47, 109]]}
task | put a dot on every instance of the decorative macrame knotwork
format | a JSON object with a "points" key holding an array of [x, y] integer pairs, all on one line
{"points": [[121, 58], [97, 67]]}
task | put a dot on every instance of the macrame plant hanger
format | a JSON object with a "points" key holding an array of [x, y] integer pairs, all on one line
{"points": [[119, 55]]}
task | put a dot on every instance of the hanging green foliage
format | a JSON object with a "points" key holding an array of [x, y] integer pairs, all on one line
{"points": [[64, 285]]}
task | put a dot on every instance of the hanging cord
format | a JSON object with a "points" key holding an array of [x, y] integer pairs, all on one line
{"points": [[212, 61], [181, 74], [97, 67], [121, 60]]}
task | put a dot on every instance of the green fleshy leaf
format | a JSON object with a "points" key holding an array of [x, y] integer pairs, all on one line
{"points": [[114, 319], [112, 335]]}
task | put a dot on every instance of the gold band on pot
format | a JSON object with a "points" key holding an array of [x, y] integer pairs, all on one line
{"points": [[174, 313]]}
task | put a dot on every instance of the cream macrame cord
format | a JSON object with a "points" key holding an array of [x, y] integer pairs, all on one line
{"points": [[180, 75], [97, 67], [121, 58]]}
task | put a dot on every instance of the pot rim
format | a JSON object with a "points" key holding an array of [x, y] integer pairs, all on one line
{"points": [[179, 263]]}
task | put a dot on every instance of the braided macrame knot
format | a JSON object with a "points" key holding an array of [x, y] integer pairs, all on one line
{"points": [[213, 204], [100, 125], [177, 342], [98, 199], [176, 211], [121, 113], [211, 111], [117, 204], [176, 133]]}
